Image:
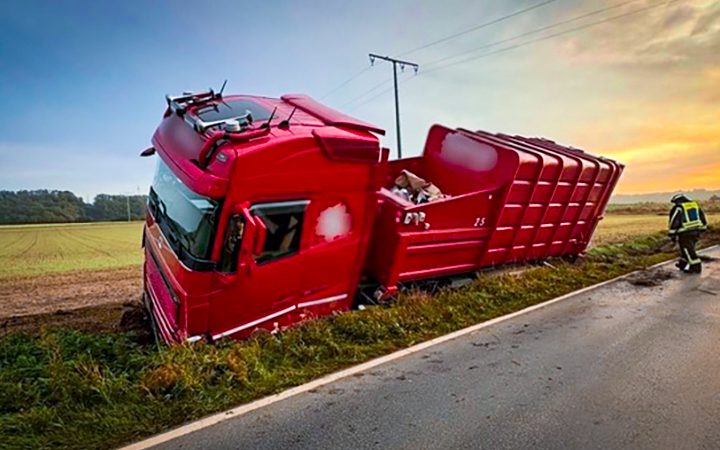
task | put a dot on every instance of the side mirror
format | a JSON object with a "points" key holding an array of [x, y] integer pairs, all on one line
{"points": [[248, 247], [260, 235], [253, 239]]}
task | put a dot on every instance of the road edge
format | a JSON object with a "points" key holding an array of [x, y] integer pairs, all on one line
{"points": [[344, 373]]}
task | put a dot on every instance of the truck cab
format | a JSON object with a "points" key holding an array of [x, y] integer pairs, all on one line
{"points": [[259, 213]]}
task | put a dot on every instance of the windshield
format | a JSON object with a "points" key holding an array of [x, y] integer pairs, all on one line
{"points": [[187, 219]]}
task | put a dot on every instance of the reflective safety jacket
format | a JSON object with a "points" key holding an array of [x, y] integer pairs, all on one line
{"points": [[686, 216]]}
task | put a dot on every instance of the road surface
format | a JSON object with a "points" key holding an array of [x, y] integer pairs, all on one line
{"points": [[623, 366]]}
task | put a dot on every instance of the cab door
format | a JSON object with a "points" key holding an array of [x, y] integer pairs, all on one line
{"points": [[291, 260], [262, 257]]}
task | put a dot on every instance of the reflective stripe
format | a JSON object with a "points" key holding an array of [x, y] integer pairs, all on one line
{"points": [[278, 314], [253, 323], [691, 217], [322, 300], [690, 259]]}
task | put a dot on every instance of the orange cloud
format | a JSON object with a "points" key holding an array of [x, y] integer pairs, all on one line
{"points": [[670, 157]]}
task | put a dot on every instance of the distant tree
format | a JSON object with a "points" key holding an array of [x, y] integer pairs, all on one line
{"points": [[45, 206], [40, 206], [115, 207], [715, 198]]}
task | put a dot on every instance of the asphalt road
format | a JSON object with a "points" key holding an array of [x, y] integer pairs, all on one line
{"points": [[623, 366]]}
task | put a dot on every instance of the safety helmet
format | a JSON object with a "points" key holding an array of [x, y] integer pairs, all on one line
{"points": [[680, 198]]}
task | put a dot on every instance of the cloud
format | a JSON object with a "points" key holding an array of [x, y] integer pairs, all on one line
{"points": [[679, 16], [708, 20], [674, 155], [659, 38]]}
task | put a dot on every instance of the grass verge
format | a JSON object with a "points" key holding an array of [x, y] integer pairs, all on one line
{"points": [[67, 389]]}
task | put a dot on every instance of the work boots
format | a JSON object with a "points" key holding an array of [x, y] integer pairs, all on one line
{"points": [[688, 268]]}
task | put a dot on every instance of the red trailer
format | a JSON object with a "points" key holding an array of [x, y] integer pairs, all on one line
{"points": [[264, 211]]}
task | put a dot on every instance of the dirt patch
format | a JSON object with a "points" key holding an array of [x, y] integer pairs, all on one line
{"points": [[95, 301], [650, 278], [68, 291], [109, 317]]}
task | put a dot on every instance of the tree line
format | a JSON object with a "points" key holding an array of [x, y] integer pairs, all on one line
{"points": [[46, 206], [711, 205]]}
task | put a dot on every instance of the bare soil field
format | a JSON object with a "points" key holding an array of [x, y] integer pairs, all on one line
{"points": [[49, 293]]}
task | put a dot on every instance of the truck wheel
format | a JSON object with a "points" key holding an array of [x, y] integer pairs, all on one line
{"points": [[570, 258]]}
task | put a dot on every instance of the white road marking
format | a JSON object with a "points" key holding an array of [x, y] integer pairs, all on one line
{"points": [[257, 404]]}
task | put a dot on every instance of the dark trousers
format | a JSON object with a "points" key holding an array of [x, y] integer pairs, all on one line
{"points": [[689, 260]]}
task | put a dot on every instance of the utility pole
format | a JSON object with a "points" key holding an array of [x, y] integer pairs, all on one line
{"points": [[127, 198], [402, 64]]}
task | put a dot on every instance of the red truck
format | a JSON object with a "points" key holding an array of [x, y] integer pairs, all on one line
{"points": [[264, 212]]}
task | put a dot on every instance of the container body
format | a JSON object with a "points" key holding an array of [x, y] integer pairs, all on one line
{"points": [[511, 200]]}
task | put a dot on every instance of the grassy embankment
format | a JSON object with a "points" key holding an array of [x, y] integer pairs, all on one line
{"points": [[74, 390]]}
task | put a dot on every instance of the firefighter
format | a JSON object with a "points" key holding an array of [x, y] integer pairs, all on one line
{"points": [[687, 222]]}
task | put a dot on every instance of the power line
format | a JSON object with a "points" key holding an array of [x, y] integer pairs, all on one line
{"points": [[533, 41], [380, 94], [476, 27], [550, 36], [371, 90], [438, 41], [345, 83], [531, 32]]}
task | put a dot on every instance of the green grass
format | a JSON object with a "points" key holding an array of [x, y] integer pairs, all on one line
{"points": [[31, 250], [66, 389]]}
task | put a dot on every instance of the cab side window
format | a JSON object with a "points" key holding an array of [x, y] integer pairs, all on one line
{"points": [[284, 222]]}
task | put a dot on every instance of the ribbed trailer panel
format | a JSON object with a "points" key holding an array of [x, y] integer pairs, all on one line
{"points": [[511, 199]]}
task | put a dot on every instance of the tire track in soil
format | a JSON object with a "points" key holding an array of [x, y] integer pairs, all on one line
{"points": [[119, 246], [30, 246], [85, 244], [6, 251]]}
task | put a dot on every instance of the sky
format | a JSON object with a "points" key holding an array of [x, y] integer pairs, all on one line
{"points": [[83, 83]]}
